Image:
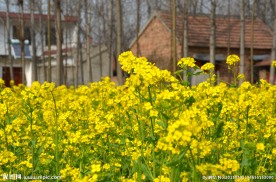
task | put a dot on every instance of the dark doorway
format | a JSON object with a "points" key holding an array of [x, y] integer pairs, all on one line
{"points": [[17, 75]]}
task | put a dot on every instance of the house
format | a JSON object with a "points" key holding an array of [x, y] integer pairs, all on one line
{"points": [[68, 42], [262, 67], [155, 40], [100, 65]]}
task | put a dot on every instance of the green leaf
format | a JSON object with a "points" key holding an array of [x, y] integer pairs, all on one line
{"points": [[33, 143], [176, 161], [161, 123], [147, 172], [198, 73], [165, 116], [10, 119], [245, 162], [36, 156], [27, 116], [178, 72], [185, 83], [189, 101], [219, 131]]}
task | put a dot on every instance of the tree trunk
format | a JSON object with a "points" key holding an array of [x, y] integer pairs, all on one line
{"points": [[22, 42], [49, 68], [34, 65], [213, 32], [88, 39], [78, 48], [201, 6], [185, 29], [138, 51], [229, 27], [252, 43], [81, 65], [9, 39], [229, 37], [111, 19], [173, 36], [59, 42], [242, 37], [41, 28], [65, 73], [100, 17], [273, 53], [79, 44], [118, 46], [105, 34], [149, 8]]}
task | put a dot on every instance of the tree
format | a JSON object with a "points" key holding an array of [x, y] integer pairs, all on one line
{"points": [[138, 27], [101, 24], [22, 39], [252, 42], [80, 44], [242, 37], [185, 29], [41, 32], [273, 53], [49, 68], [59, 42], [79, 64], [213, 32], [34, 65], [118, 42], [111, 36], [173, 36], [9, 38], [87, 7], [153, 5], [78, 48]]}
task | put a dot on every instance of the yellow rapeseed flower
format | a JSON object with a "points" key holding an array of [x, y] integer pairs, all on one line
{"points": [[207, 67], [260, 147], [151, 117], [2, 82], [186, 62], [95, 168], [162, 178], [240, 76], [232, 59], [274, 63]]}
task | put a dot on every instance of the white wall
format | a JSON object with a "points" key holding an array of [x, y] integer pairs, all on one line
{"points": [[3, 39], [70, 28]]}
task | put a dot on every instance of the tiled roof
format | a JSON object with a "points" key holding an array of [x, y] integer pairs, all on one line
{"points": [[199, 31], [263, 64], [27, 16]]}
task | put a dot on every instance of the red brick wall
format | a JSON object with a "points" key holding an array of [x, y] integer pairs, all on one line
{"points": [[155, 44]]}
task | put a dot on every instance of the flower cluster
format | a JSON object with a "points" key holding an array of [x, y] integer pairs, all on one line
{"points": [[207, 67], [274, 63], [232, 59], [152, 128], [186, 62]]}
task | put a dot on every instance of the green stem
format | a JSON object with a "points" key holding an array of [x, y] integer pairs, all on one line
{"points": [[32, 138], [234, 73], [56, 135], [152, 134], [194, 164]]}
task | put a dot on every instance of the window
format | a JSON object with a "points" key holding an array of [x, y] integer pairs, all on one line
{"points": [[16, 33], [53, 38]]}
